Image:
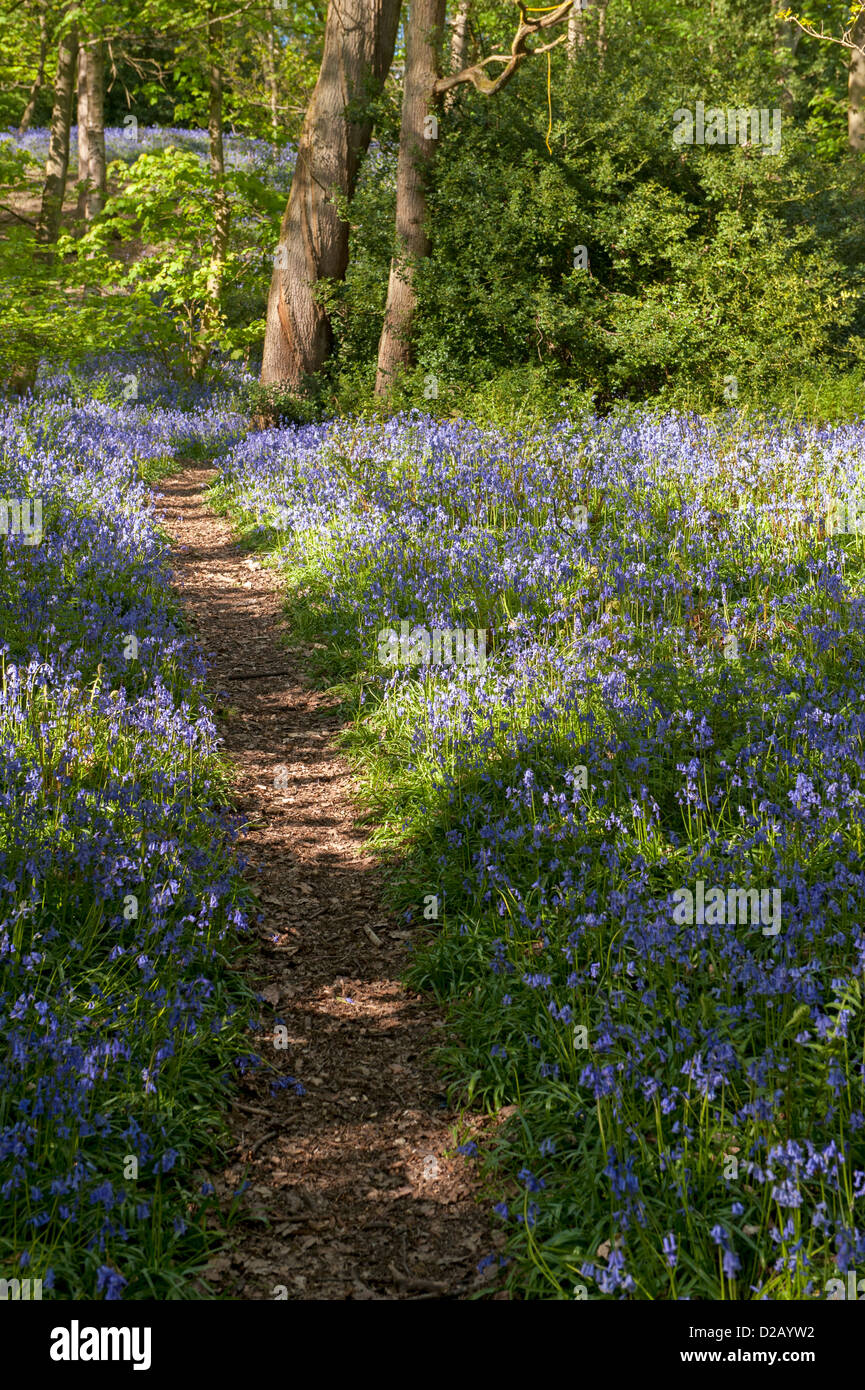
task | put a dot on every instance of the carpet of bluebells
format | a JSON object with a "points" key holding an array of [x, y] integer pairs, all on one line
{"points": [[120, 898], [674, 693], [128, 142]]}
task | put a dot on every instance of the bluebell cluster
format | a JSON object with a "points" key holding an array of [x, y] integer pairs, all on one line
{"points": [[674, 693], [244, 152], [119, 882], [162, 411]]}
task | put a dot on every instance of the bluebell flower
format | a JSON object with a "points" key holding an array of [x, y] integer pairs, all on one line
{"points": [[110, 1282]]}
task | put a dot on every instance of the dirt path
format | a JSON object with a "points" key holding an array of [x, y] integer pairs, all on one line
{"points": [[351, 1195]]}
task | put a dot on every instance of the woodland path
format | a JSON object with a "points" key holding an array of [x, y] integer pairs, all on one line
{"points": [[351, 1195]]}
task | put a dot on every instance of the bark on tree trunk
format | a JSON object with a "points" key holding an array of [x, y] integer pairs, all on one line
{"points": [[602, 32], [459, 45], [577, 27], [95, 128], [83, 148], [460, 36], [22, 378], [576, 37], [856, 89], [39, 78], [313, 241], [417, 143], [57, 163]]}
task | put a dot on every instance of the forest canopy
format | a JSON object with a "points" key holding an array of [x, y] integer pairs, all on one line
{"points": [[560, 201]]}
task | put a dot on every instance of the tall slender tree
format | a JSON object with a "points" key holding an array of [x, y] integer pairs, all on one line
{"points": [[359, 41], [856, 86], [38, 80], [91, 127], [423, 90], [460, 35], [577, 26], [96, 171], [575, 32], [57, 163], [417, 143], [602, 32], [83, 147]]}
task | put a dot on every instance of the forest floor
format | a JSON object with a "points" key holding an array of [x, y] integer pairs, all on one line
{"points": [[355, 1189]]}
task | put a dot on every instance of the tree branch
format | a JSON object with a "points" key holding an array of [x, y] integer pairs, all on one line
{"points": [[846, 40], [6, 208], [519, 52]]}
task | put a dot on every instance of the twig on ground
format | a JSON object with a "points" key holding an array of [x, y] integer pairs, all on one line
{"points": [[270, 1134]]}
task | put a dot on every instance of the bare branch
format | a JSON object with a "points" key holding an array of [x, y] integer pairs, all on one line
{"points": [[846, 40], [6, 208], [519, 52]]}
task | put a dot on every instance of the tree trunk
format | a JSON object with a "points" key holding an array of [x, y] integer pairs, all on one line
{"points": [[460, 36], [22, 378], [313, 241], [459, 45], [785, 41], [95, 128], [83, 148], [602, 32], [57, 163], [856, 89], [417, 143], [39, 78], [577, 26], [211, 317], [423, 88], [576, 37]]}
